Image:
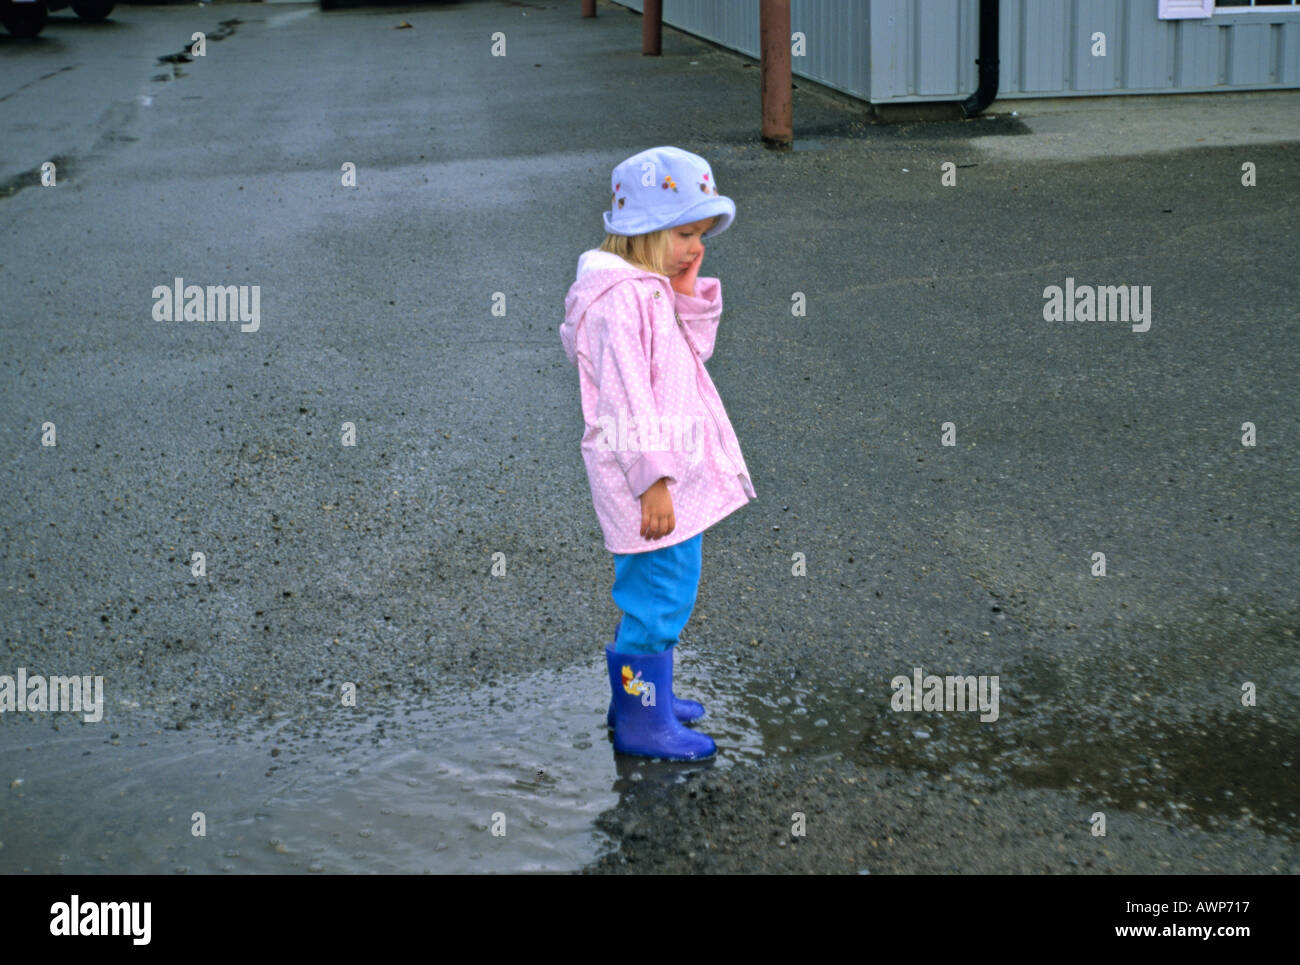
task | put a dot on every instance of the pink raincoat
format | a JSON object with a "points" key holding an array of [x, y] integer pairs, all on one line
{"points": [[650, 407]]}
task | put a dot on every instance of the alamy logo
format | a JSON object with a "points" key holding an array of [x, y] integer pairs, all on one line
{"points": [[1105, 303], [651, 433], [219, 303], [53, 694], [946, 693], [102, 918]]}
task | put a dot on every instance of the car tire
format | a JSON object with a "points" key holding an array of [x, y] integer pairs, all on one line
{"points": [[94, 10], [23, 19]]}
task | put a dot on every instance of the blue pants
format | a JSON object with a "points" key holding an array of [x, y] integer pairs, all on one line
{"points": [[656, 592]]}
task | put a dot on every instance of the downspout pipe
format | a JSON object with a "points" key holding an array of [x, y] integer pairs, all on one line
{"points": [[987, 60]]}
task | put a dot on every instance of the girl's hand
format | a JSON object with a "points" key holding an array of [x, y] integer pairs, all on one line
{"points": [[657, 517], [684, 283]]}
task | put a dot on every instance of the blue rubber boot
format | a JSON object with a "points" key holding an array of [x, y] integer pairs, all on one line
{"points": [[643, 727], [684, 710]]}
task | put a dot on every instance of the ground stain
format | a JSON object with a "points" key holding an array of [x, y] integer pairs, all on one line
{"points": [[1116, 735]]}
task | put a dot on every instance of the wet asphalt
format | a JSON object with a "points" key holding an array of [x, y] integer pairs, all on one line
{"points": [[422, 307]]}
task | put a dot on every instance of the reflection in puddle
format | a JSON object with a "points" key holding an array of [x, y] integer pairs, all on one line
{"points": [[415, 791]]}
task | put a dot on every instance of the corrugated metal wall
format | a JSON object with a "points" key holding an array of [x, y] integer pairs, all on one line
{"points": [[894, 51]]}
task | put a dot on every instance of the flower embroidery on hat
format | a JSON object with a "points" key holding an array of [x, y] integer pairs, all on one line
{"points": [[669, 183]]}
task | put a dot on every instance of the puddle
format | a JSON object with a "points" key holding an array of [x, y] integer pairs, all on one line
{"points": [[418, 790], [1222, 768], [422, 789]]}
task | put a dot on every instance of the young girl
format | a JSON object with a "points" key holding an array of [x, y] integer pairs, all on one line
{"points": [[662, 459]]}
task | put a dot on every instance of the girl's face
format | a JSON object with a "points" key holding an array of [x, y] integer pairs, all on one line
{"points": [[687, 244]]}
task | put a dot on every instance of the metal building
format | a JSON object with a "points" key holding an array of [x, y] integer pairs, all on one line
{"points": [[900, 51]]}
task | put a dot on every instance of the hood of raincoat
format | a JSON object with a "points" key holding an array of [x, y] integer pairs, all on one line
{"points": [[598, 272]]}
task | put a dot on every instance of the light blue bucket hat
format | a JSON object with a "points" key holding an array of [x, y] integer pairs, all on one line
{"points": [[663, 187]]}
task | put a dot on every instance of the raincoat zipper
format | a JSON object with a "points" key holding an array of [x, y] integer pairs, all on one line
{"points": [[722, 442]]}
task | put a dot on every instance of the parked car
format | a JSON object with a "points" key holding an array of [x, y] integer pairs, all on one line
{"points": [[26, 18]]}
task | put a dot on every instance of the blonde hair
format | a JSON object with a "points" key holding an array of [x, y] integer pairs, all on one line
{"points": [[650, 251]]}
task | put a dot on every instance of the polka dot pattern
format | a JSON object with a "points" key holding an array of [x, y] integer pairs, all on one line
{"points": [[640, 350]]}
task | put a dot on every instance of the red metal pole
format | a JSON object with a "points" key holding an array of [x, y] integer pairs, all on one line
{"points": [[774, 50], [652, 27], [589, 8]]}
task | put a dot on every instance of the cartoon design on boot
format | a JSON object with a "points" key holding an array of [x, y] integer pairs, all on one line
{"points": [[634, 685]]}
